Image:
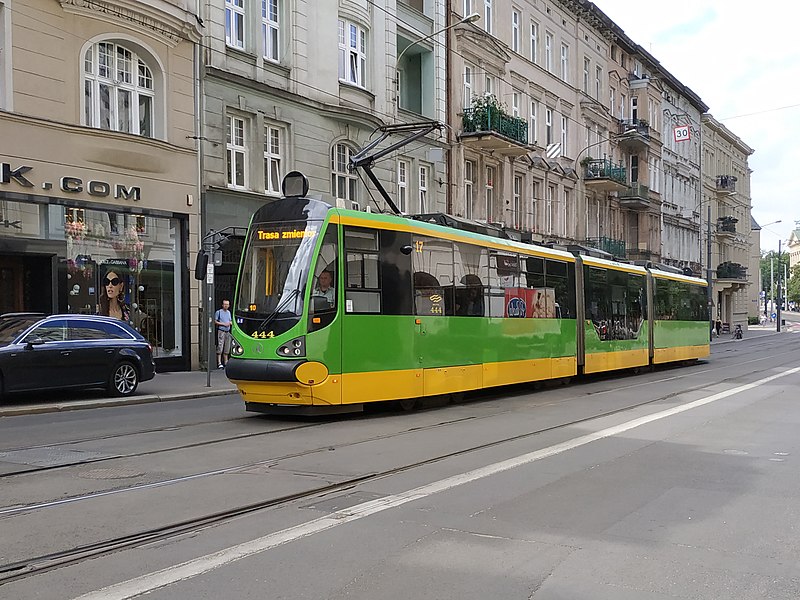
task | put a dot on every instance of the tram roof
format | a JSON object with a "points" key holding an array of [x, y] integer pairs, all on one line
{"points": [[677, 277], [593, 261], [407, 224]]}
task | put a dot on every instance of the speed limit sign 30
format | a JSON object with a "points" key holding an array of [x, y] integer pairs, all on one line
{"points": [[682, 133]]}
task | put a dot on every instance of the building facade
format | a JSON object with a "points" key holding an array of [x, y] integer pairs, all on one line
{"points": [[726, 188], [302, 85], [99, 168]]}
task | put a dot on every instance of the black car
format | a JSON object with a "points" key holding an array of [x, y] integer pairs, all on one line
{"points": [[40, 352]]}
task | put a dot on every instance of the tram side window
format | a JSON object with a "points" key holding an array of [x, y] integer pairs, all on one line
{"points": [[504, 285], [362, 281], [433, 276], [323, 292], [560, 278], [471, 269], [396, 289], [699, 303]]}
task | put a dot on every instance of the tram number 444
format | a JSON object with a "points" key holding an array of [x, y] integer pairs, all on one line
{"points": [[263, 335]]}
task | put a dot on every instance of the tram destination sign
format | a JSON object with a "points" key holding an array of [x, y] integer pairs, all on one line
{"points": [[10, 174]]}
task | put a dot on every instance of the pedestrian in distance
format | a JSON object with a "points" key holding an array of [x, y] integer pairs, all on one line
{"points": [[718, 326], [223, 320]]}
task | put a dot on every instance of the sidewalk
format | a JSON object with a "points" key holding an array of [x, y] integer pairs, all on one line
{"points": [[165, 387], [754, 331]]}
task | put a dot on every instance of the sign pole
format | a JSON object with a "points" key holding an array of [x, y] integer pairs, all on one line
{"points": [[210, 310]]}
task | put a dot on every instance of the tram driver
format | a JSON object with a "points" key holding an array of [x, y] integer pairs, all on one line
{"points": [[324, 288]]}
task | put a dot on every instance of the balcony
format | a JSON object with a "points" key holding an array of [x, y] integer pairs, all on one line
{"points": [[726, 226], [489, 128], [730, 271], [610, 245], [726, 184], [643, 253], [634, 134], [603, 175], [637, 197]]}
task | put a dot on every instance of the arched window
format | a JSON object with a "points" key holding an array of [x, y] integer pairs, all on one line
{"points": [[119, 90], [344, 184]]}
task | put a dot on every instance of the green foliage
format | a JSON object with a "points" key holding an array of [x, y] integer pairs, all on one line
{"points": [[768, 258], [752, 320], [793, 290]]}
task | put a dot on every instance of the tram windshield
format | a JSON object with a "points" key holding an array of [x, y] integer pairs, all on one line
{"points": [[274, 275]]}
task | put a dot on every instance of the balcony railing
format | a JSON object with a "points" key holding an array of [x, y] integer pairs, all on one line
{"points": [[490, 119], [727, 225], [610, 245], [631, 126], [726, 183], [731, 270], [636, 190], [603, 168]]}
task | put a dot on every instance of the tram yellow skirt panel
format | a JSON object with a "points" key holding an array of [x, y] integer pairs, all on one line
{"points": [[665, 355], [448, 380], [275, 392], [598, 362], [381, 385]]}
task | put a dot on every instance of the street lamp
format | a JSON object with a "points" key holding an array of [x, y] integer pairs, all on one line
{"points": [[468, 19], [772, 275]]}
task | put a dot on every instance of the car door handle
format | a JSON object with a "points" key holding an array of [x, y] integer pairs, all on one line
{"points": [[66, 352], [110, 351]]}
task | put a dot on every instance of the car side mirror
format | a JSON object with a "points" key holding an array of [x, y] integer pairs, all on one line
{"points": [[37, 341]]}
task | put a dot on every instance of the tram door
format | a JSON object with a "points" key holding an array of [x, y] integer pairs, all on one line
{"points": [[378, 356]]}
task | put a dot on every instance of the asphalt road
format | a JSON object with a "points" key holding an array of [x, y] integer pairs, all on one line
{"points": [[679, 483]]}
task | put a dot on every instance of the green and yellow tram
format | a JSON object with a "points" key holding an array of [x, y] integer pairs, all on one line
{"points": [[337, 308]]}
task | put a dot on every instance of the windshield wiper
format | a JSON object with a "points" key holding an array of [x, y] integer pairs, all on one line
{"points": [[281, 305]]}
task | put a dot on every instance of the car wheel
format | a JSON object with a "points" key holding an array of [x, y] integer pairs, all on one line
{"points": [[124, 379]]}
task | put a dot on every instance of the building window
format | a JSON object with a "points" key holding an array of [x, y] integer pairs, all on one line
{"points": [[564, 136], [272, 160], [234, 23], [565, 212], [119, 91], [515, 98], [237, 153], [352, 53], [74, 216], [533, 137], [612, 95], [548, 126], [598, 81], [622, 102], [467, 8], [532, 220], [586, 67], [534, 42], [488, 86], [515, 30], [565, 62], [4, 61], [489, 192], [402, 186], [487, 15], [270, 29], [516, 204], [469, 189], [548, 51], [548, 215], [424, 172], [343, 182], [467, 86]]}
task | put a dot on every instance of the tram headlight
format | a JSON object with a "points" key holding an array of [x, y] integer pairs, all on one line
{"points": [[293, 348], [236, 349]]}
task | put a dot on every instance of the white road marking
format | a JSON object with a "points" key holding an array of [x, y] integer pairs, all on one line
{"points": [[198, 566]]}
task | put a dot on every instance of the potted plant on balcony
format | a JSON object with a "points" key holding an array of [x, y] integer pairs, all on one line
{"points": [[485, 111]]}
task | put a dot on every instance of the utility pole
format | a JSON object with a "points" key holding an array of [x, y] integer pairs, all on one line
{"points": [[778, 308], [708, 272], [771, 285]]}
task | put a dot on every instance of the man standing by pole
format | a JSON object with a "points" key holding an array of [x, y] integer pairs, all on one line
{"points": [[223, 320]]}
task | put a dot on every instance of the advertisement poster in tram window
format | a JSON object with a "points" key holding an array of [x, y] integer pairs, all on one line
{"points": [[530, 303]]}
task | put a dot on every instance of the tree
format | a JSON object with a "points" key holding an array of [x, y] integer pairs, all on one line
{"points": [[768, 258], [793, 291]]}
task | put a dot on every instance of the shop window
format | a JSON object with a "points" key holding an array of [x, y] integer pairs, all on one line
{"points": [[119, 89]]}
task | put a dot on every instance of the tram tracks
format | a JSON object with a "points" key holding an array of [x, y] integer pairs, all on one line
{"points": [[38, 564]]}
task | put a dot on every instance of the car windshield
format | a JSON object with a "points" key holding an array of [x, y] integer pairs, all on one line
{"points": [[11, 327], [274, 274]]}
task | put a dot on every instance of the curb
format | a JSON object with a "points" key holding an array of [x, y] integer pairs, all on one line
{"points": [[37, 409]]}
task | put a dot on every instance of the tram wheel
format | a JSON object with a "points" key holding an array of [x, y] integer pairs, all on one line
{"points": [[408, 404]]}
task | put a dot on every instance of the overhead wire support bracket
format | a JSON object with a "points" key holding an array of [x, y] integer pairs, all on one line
{"points": [[367, 157]]}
